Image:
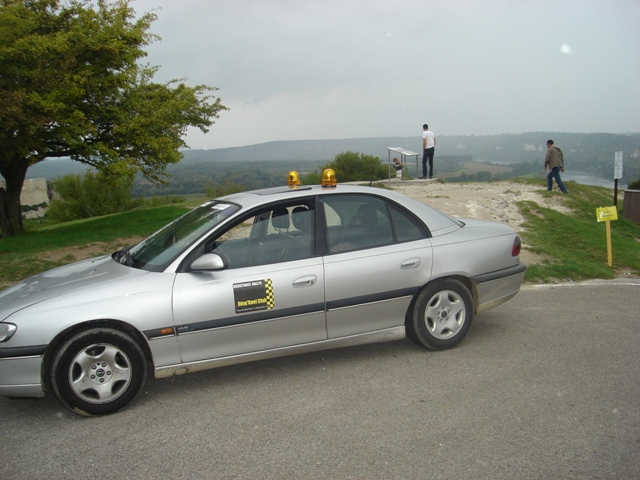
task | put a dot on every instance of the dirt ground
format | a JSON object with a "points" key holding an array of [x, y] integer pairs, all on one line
{"points": [[494, 201], [75, 254]]}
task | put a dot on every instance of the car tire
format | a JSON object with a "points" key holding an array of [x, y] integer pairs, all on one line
{"points": [[97, 371], [441, 315]]}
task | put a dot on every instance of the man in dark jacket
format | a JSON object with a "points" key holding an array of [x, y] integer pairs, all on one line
{"points": [[555, 161]]}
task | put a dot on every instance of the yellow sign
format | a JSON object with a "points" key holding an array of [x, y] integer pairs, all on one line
{"points": [[606, 214]]}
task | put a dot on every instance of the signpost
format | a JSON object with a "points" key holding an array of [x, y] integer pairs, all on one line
{"points": [[617, 174], [606, 214]]}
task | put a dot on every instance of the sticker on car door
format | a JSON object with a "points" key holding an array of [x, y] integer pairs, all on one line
{"points": [[253, 295]]}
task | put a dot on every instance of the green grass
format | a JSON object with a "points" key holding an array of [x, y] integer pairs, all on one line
{"points": [[22, 256], [97, 229], [575, 245]]}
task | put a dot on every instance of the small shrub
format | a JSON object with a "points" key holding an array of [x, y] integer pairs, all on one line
{"points": [[226, 188], [311, 178], [91, 194], [352, 167]]}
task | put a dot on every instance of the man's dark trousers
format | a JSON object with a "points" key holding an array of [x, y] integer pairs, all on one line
{"points": [[427, 156]]}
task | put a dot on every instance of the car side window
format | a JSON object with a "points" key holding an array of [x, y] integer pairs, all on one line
{"points": [[355, 222], [277, 234], [407, 228]]}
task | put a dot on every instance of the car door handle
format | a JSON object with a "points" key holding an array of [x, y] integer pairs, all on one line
{"points": [[410, 263], [306, 281]]}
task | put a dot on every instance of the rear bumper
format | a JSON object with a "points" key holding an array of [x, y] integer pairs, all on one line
{"points": [[20, 376], [495, 288]]}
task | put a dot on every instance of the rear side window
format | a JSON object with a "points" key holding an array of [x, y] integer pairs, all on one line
{"points": [[407, 227]]}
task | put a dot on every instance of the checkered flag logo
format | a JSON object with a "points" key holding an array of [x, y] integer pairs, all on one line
{"points": [[268, 287]]}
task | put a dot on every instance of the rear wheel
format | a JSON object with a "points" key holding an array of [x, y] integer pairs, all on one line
{"points": [[98, 371], [442, 315]]}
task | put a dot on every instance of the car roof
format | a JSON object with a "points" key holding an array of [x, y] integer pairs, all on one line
{"points": [[254, 198]]}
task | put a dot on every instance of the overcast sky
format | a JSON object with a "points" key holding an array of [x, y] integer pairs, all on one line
{"points": [[326, 69]]}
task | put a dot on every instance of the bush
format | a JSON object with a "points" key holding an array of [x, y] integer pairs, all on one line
{"points": [[635, 185], [311, 178], [352, 167], [91, 194], [226, 188]]}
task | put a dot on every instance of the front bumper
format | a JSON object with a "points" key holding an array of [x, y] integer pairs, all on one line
{"points": [[495, 288], [21, 376]]}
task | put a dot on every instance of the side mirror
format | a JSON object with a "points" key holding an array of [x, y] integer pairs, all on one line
{"points": [[208, 262]]}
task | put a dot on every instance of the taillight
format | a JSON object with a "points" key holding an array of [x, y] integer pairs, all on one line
{"points": [[515, 251]]}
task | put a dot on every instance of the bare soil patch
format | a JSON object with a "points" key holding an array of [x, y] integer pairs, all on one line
{"points": [[75, 254], [495, 201]]}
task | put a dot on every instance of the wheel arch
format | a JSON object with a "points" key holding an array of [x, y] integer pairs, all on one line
{"points": [[466, 281], [124, 327]]}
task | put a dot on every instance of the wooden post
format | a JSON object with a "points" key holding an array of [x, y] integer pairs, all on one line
{"points": [[609, 252], [606, 214]]}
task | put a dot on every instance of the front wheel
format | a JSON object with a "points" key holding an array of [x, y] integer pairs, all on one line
{"points": [[442, 315], [98, 371]]}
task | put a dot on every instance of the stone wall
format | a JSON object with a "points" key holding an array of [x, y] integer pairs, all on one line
{"points": [[35, 197]]}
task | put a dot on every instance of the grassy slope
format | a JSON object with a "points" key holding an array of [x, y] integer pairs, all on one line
{"points": [[575, 245], [25, 255]]}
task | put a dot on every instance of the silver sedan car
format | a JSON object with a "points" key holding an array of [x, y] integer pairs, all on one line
{"points": [[249, 276]]}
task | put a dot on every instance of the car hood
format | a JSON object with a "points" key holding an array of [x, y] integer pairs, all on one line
{"points": [[63, 280]]}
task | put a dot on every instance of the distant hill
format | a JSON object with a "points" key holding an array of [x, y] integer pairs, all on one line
{"points": [[579, 148], [505, 148]]}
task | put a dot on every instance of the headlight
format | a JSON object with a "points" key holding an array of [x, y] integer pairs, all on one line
{"points": [[6, 331]]}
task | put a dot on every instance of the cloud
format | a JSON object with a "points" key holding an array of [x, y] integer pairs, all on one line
{"points": [[566, 49], [344, 69]]}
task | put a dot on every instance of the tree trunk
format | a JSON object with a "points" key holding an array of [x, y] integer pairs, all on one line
{"points": [[10, 208]]}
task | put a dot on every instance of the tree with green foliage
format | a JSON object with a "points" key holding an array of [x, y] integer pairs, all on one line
{"points": [[352, 167], [71, 85]]}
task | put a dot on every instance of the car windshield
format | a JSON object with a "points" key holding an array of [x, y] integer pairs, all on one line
{"points": [[161, 248]]}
